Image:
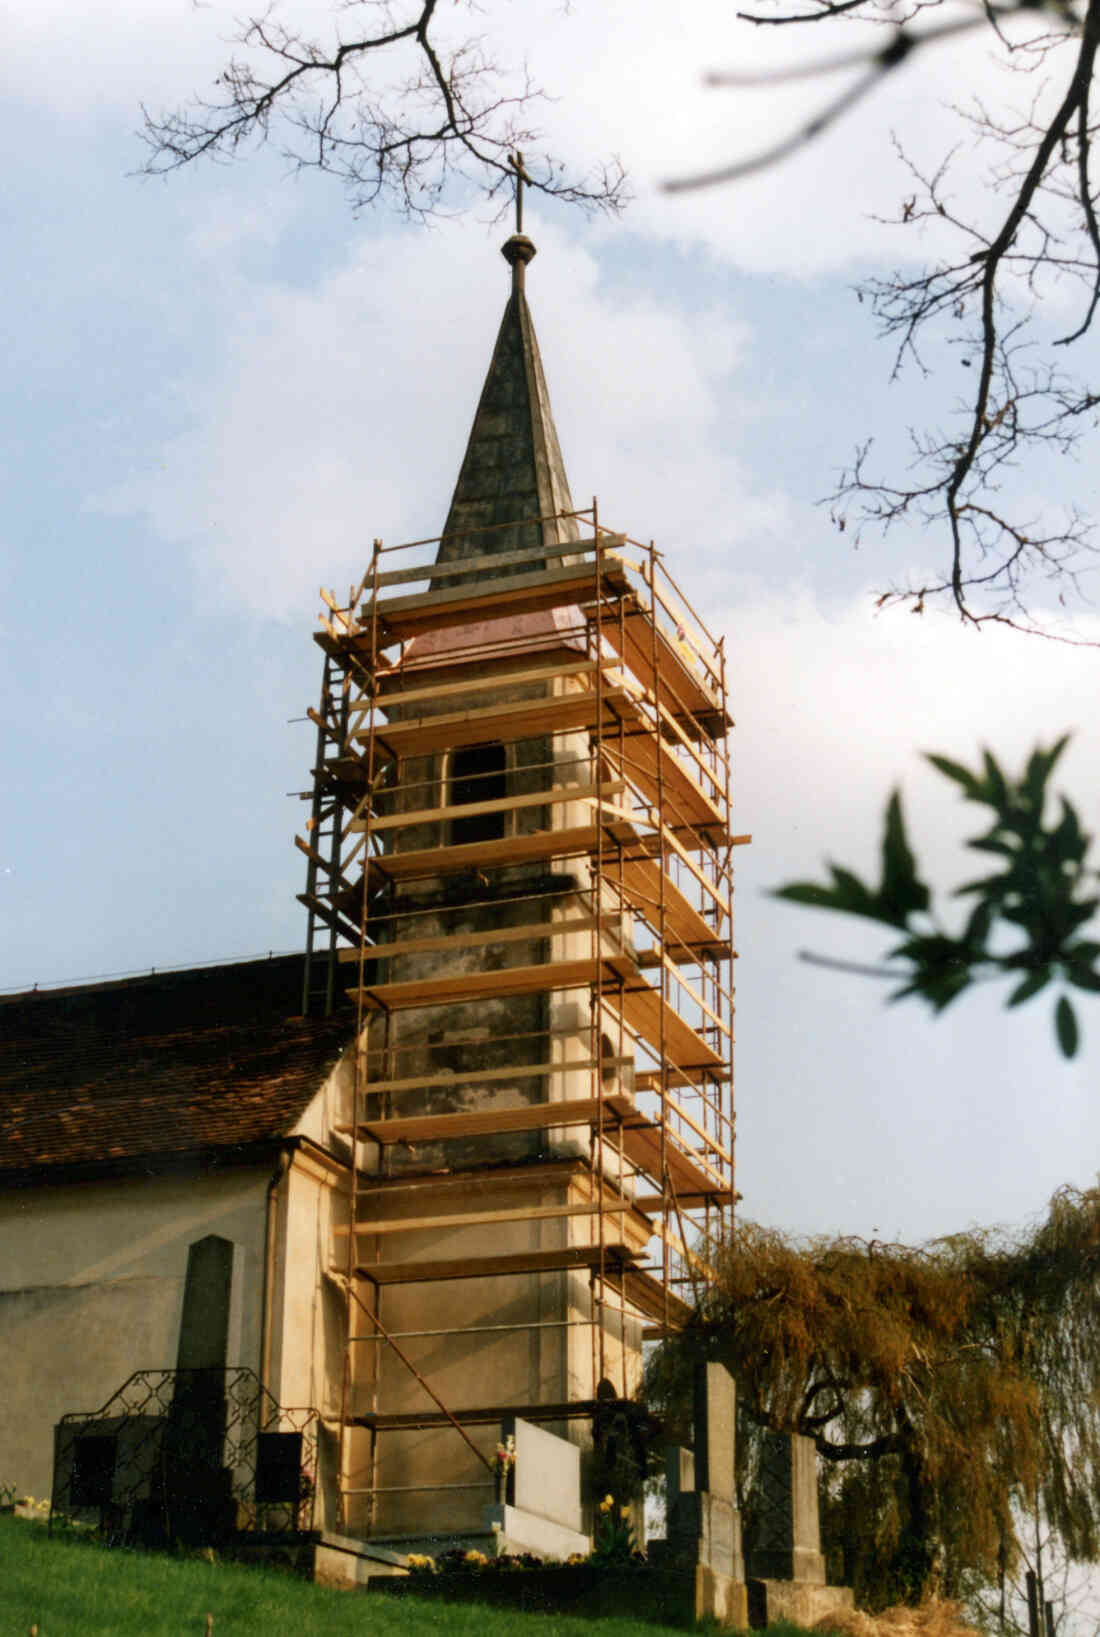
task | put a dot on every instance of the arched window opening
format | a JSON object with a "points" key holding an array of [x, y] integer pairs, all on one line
{"points": [[478, 773]]}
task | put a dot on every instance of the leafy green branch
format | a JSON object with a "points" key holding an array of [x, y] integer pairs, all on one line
{"points": [[1025, 919]]}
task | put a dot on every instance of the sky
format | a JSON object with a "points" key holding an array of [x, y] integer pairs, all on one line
{"points": [[223, 385]]}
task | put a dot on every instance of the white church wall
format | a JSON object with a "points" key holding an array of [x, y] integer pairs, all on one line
{"points": [[91, 1289], [304, 1365]]}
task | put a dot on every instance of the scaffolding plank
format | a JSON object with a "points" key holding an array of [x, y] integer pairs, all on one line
{"points": [[647, 1295], [642, 1007], [649, 1080], [518, 719], [648, 762], [654, 1204], [329, 915], [709, 1142], [718, 949], [518, 1071], [686, 693], [505, 804], [481, 1219], [690, 1259], [529, 932], [483, 1415], [485, 855], [403, 617], [652, 1017], [322, 863], [353, 648], [641, 877], [565, 1258], [626, 1124], [624, 822], [497, 559], [481, 1122], [689, 1172], [545, 976], [396, 695]]}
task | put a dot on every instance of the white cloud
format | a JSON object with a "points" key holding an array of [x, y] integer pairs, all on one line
{"points": [[856, 1116], [339, 412]]}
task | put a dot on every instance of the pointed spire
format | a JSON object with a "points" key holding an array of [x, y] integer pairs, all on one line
{"points": [[512, 471]]}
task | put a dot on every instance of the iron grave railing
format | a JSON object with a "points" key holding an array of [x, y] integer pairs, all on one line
{"points": [[188, 1456]]}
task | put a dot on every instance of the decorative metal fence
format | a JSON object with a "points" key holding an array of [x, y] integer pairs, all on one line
{"points": [[188, 1456]]}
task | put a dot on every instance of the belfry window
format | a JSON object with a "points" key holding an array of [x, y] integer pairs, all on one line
{"points": [[478, 773]]}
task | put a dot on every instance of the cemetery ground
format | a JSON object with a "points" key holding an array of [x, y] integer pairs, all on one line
{"points": [[72, 1587]]}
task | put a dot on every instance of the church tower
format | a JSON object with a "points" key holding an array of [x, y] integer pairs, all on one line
{"points": [[519, 872]]}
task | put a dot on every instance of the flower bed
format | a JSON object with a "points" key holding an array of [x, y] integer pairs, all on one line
{"points": [[630, 1587]]}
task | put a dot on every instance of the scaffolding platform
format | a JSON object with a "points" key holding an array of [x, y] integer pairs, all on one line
{"points": [[521, 811]]}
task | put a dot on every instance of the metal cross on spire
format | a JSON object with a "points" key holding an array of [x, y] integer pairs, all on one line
{"points": [[515, 160]]}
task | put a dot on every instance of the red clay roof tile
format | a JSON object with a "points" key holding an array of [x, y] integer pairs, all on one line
{"points": [[202, 1060]]}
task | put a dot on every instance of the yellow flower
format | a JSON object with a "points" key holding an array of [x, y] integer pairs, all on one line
{"points": [[474, 1556], [624, 1512], [607, 1503]]}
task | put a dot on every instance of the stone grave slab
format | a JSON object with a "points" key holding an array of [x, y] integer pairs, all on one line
{"points": [[546, 1479]]}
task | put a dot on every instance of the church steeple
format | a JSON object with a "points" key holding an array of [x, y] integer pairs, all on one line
{"points": [[512, 470]]}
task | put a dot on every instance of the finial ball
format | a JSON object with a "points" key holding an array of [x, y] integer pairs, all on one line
{"points": [[518, 248]]}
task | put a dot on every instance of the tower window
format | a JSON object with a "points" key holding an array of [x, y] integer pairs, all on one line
{"points": [[478, 773]]}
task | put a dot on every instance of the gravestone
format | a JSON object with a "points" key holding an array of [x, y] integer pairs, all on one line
{"points": [[704, 1525], [541, 1510], [546, 1478], [784, 1563], [198, 1503], [204, 1322], [785, 1543]]}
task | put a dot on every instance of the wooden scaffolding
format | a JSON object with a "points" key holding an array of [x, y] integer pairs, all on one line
{"points": [[576, 706]]}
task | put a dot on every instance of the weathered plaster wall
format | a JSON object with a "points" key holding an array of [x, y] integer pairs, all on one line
{"points": [[91, 1289]]}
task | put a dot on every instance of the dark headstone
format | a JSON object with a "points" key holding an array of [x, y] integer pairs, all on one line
{"points": [[93, 1471], [785, 1543], [199, 1505], [278, 1468], [204, 1325]]}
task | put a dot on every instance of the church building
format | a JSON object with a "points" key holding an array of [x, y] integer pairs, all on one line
{"points": [[444, 1174]]}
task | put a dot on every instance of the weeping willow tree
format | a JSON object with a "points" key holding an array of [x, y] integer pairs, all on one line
{"points": [[944, 1386]]}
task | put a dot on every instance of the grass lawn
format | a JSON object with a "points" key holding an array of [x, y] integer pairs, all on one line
{"points": [[72, 1588]]}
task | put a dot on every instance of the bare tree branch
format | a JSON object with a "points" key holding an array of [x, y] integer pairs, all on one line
{"points": [[986, 300], [447, 126]]}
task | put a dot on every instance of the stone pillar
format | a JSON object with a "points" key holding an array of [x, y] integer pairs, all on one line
{"points": [[704, 1525], [715, 1408]]}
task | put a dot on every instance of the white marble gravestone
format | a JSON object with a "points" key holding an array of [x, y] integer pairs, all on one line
{"points": [[543, 1511]]}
